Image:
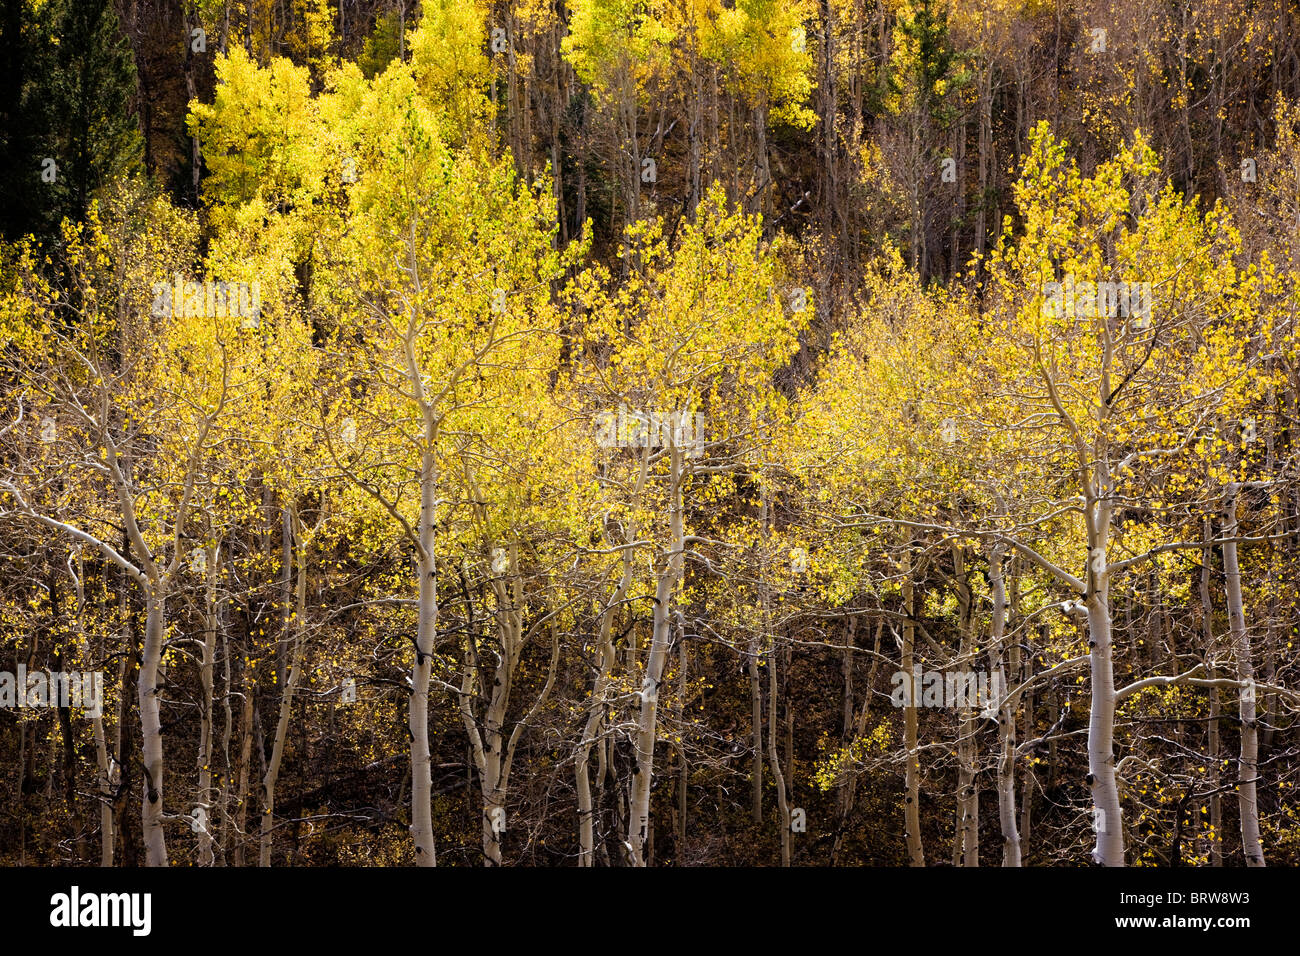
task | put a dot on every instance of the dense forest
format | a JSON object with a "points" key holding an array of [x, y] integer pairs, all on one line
{"points": [[649, 432]]}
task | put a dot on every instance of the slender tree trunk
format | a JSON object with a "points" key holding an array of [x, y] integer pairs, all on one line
{"points": [[243, 771], [1212, 776], [494, 820], [272, 776], [844, 785], [147, 690], [912, 774], [773, 711], [756, 734], [1006, 711], [105, 781], [206, 703], [103, 764], [590, 732], [127, 761], [491, 752], [683, 768], [64, 716], [966, 835], [586, 830], [668, 575], [856, 732], [985, 152], [778, 778], [227, 731], [596, 712], [421, 758], [192, 90], [1248, 762], [1028, 779], [1109, 850]]}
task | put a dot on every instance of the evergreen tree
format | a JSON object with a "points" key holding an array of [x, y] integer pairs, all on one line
{"points": [[70, 87]]}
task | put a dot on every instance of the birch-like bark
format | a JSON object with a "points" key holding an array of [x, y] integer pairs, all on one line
{"points": [[147, 689], [782, 801], [912, 774], [427, 593], [1109, 849], [966, 835], [242, 772], [227, 731], [105, 779], [421, 670], [124, 740], [683, 767], [487, 743], [1097, 490], [1006, 712], [154, 582], [855, 732], [778, 778], [206, 704], [1028, 778], [597, 708], [492, 751], [1212, 775], [1248, 761], [669, 573], [299, 609]]}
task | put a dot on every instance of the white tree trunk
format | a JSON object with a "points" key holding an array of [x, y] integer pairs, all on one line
{"points": [[206, 856], [421, 758], [912, 774], [966, 836], [1006, 715], [151, 799], [1248, 762], [782, 802], [1109, 849], [294, 672], [1212, 774], [242, 770], [606, 658], [661, 638]]}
